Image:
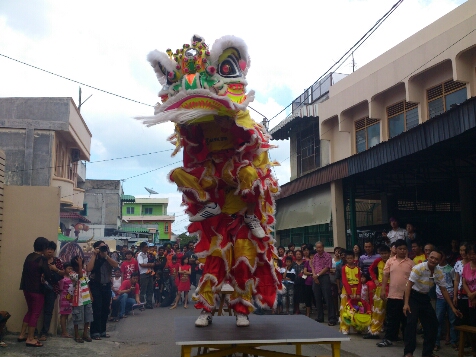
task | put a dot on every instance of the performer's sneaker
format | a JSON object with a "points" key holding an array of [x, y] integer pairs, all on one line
{"points": [[209, 210], [253, 224], [242, 320], [204, 319]]}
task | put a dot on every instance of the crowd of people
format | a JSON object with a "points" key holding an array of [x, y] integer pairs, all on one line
{"points": [[409, 286], [105, 288]]}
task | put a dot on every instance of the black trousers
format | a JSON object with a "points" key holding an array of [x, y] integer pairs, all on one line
{"points": [[395, 318], [48, 307], [323, 289], [101, 300], [421, 309]]}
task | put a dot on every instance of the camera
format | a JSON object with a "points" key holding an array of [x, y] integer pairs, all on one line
{"points": [[103, 249]]}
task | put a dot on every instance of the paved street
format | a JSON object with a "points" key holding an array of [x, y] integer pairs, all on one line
{"points": [[151, 333]]}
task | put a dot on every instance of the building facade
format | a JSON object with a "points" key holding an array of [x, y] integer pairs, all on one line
{"points": [[42, 141], [400, 133], [147, 218], [102, 207]]}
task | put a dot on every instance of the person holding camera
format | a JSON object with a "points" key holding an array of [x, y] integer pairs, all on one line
{"points": [[146, 277], [100, 265]]}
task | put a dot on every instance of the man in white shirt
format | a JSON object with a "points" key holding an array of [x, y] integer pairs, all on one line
{"points": [[146, 278], [418, 304], [396, 232]]}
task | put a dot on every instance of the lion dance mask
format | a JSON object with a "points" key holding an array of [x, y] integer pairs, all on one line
{"points": [[226, 180]]}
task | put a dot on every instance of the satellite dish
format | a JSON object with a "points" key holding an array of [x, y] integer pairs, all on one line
{"points": [[151, 191]]}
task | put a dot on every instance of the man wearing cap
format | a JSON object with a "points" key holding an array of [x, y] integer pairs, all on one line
{"points": [[396, 232], [146, 279]]}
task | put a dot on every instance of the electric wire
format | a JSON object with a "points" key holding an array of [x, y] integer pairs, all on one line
{"points": [[352, 49], [75, 81], [94, 162]]}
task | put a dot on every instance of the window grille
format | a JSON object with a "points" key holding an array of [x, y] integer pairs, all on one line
{"points": [[367, 133], [444, 96]]}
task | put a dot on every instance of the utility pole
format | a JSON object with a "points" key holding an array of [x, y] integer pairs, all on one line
{"points": [[353, 62], [81, 103], [265, 122]]}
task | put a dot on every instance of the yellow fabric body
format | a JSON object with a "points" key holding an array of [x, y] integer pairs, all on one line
{"points": [[380, 266], [378, 313], [184, 180], [217, 138], [343, 327]]}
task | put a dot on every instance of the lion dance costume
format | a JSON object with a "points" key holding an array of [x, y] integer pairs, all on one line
{"points": [[226, 179]]}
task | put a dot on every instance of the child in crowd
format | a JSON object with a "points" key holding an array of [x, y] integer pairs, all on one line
{"points": [[417, 249], [82, 303], [442, 307], [368, 288], [308, 294], [66, 298], [158, 286], [379, 305], [279, 296], [289, 276], [116, 280], [352, 287]]}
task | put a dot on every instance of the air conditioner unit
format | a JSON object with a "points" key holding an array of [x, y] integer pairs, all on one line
{"points": [[75, 153]]}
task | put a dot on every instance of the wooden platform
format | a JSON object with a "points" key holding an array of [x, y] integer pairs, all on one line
{"points": [[267, 330]]}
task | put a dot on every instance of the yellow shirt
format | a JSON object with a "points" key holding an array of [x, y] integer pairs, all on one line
{"points": [[419, 259]]}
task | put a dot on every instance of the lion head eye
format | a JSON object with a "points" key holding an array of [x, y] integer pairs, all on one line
{"points": [[229, 68]]}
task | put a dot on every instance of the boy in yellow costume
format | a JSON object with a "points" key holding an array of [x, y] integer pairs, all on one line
{"points": [[351, 288], [379, 305]]}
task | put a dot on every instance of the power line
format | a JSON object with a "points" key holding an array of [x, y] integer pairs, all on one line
{"points": [[94, 162], [90, 86], [75, 81], [351, 50]]}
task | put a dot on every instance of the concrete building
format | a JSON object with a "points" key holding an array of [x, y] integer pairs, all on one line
{"points": [[400, 134], [41, 143], [102, 207], [147, 218]]}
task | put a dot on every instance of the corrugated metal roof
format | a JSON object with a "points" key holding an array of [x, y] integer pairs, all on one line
{"points": [[304, 112], [443, 127], [326, 174]]}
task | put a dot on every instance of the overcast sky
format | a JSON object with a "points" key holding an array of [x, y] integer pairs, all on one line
{"points": [[104, 44]]}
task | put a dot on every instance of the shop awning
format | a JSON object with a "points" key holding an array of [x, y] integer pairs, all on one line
{"points": [[128, 198], [74, 215], [304, 209], [134, 230]]}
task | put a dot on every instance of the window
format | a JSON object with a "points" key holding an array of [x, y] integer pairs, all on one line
{"points": [[367, 133], [129, 210], [308, 149], [147, 210], [444, 96], [166, 227], [401, 117], [84, 212]]}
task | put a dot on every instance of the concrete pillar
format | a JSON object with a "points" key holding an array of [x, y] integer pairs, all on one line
{"points": [[338, 214], [467, 198]]}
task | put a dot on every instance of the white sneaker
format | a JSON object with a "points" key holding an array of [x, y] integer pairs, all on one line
{"points": [[253, 224], [242, 320], [209, 210], [204, 319]]}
